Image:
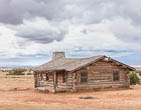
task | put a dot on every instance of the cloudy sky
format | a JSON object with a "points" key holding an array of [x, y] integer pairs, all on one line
{"points": [[30, 30]]}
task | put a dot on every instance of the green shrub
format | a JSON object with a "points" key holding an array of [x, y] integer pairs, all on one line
{"points": [[134, 79], [29, 73], [17, 71]]}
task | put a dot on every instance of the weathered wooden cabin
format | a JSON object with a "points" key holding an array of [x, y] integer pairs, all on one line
{"points": [[73, 74]]}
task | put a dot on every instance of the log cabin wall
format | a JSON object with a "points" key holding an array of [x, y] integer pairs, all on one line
{"points": [[43, 82], [60, 84], [100, 75], [64, 86]]}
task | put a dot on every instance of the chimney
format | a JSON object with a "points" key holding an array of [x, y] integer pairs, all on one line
{"points": [[58, 55]]}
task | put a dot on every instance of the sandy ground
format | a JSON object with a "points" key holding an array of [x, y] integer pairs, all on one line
{"points": [[25, 97]]}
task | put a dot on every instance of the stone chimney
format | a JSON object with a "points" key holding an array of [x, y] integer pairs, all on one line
{"points": [[58, 55]]}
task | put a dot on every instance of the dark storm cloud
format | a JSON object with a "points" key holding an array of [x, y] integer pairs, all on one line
{"points": [[90, 11], [43, 37], [14, 11], [77, 11], [41, 30]]}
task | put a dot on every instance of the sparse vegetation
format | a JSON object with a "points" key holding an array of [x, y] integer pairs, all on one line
{"points": [[86, 97], [134, 79], [29, 73], [22, 90], [17, 71], [139, 73]]}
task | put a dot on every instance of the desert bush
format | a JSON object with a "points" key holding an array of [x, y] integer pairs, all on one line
{"points": [[17, 71], [134, 79], [85, 97], [29, 73]]}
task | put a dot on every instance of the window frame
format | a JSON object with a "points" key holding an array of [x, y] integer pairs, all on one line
{"points": [[84, 77], [42, 77], [65, 77], [116, 76], [47, 77]]}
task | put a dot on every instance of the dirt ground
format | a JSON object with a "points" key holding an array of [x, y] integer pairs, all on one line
{"points": [[17, 93]]}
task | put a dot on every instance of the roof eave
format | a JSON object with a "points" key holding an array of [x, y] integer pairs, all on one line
{"points": [[55, 70], [88, 63], [127, 66]]}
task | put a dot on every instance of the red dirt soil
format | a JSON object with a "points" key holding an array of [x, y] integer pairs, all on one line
{"points": [[25, 97]]}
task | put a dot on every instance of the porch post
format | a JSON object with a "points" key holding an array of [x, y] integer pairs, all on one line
{"points": [[128, 80], [54, 82], [74, 81], [35, 80]]}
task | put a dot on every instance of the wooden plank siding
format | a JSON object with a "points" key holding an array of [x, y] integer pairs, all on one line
{"points": [[100, 75], [67, 86], [49, 85], [60, 85]]}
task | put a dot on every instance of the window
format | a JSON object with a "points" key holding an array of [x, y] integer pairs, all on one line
{"points": [[42, 76], [84, 77], [65, 77], [47, 77], [115, 76]]}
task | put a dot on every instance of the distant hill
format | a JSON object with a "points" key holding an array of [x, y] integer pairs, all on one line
{"points": [[15, 66], [138, 68]]}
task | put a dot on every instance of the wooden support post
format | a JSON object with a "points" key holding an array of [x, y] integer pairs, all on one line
{"points": [[54, 82], [35, 80], [128, 79], [74, 81]]}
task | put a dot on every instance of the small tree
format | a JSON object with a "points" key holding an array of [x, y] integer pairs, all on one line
{"points": [[17, 71], [134, 79]]}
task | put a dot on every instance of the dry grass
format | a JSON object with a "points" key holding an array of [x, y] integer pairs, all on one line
{"points": [[26, 98]]}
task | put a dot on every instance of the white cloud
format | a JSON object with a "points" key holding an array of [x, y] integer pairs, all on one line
{"points": [[125, 30], [41, 30], [80, 39], [87, 27]]}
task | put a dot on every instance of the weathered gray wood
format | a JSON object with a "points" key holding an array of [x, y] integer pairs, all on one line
{"points": [[74, 81], [35, 80], [100, 75], [55, 82]]}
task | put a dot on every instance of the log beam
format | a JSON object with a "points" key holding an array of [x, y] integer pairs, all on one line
{"points": [[55, 82], [35, 80], [74, 81]]}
